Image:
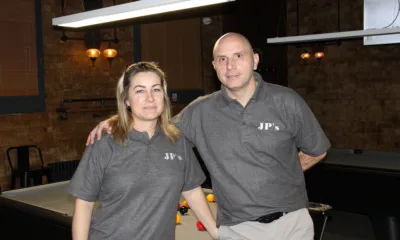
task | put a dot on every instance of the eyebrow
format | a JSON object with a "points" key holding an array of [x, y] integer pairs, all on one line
{"points": [[141, 86], [241, 52]]}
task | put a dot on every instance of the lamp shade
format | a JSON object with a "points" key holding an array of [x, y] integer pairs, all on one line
{"points": [[319, 55], [110, 53], [93, 53], [305, 55]]}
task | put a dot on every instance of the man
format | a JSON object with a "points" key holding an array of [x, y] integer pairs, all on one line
{"points": [[248, 135]]}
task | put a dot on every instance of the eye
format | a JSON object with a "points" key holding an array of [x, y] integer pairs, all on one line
{"points": [[222, 59], [157, 89], [239, 55], [139, 91]]}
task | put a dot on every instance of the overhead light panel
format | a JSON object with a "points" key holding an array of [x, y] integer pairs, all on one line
{"points": [[130, 11], [333, 36]]}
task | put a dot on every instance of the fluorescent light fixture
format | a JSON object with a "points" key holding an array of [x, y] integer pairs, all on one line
{"points": [[129, 11], [333, 36]]}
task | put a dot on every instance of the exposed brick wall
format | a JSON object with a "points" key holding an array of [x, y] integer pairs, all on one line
{"points": [[355, 90], [68, 73]]}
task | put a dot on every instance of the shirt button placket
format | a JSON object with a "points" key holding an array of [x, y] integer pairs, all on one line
{"points": [[146, 153], [245, 125]]}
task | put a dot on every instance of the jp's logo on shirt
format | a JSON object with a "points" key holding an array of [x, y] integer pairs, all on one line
{"points": [[172, 156], [268, 126]]}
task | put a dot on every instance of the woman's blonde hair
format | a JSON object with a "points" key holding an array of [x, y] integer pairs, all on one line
{"points": [[121, 123]]}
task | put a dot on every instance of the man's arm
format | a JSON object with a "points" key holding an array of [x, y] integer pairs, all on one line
{"points": [[308, 161], [199, 205], [81, 219], [105, 125]]}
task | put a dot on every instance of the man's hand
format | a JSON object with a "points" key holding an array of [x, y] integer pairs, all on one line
{"points": [[308, 161], [102, 126]]}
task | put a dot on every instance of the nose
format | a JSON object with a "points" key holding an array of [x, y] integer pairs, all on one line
{"points": [[230, 63], [150, 97]]}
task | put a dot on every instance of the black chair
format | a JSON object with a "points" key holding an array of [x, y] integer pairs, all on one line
{"points": [[22, 169]]}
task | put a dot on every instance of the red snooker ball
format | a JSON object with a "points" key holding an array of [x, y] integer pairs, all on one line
{"points": [[200, 226]]}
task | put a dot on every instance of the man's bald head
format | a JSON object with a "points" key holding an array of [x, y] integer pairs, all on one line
{"points": [[235, 62], [232, 37]]}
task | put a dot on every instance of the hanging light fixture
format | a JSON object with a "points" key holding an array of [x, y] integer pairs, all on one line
{"points": [[130, 10], [93, 54], [110, 53], [92, 40], [305, 55], [319, 51], [319, 55], [333, 36]]}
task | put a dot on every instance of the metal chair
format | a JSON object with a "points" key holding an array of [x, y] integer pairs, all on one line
{"points": [[22, 169]]}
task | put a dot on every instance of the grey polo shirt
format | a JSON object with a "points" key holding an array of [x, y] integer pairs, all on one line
{"points": [[251, 152], [137, 186]]}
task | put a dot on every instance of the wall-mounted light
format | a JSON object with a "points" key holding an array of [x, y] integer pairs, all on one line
{"points": [[305, 56], [319, 51], [93, 42], [93, 54], [319, 55], [110, 53]]}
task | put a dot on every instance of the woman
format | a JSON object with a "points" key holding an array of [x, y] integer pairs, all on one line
{"points": [[138, 173]]}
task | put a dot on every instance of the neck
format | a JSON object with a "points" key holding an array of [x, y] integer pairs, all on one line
{"points": [[145, 126], [244, 94]]}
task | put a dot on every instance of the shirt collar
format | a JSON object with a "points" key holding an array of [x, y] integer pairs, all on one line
{"points": [[135, 135]]}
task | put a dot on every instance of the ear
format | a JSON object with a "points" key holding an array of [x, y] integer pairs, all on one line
{"points": [[213, 63], [127, 103], [256, 59]]}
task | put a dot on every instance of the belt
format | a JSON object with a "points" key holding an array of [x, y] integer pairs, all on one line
{"points": [[270, 217]]}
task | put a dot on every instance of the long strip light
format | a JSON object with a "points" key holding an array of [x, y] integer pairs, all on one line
{"points": [[333, 36], [129, 11]]}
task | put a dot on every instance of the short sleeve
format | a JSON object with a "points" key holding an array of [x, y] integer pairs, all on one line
{"points": [[187, 118], [194, 175], [86, 181], [309, 136]]}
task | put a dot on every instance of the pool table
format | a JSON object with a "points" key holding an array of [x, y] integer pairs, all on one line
{"points": [[53, 206], [363, 182], [45, 212]]}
